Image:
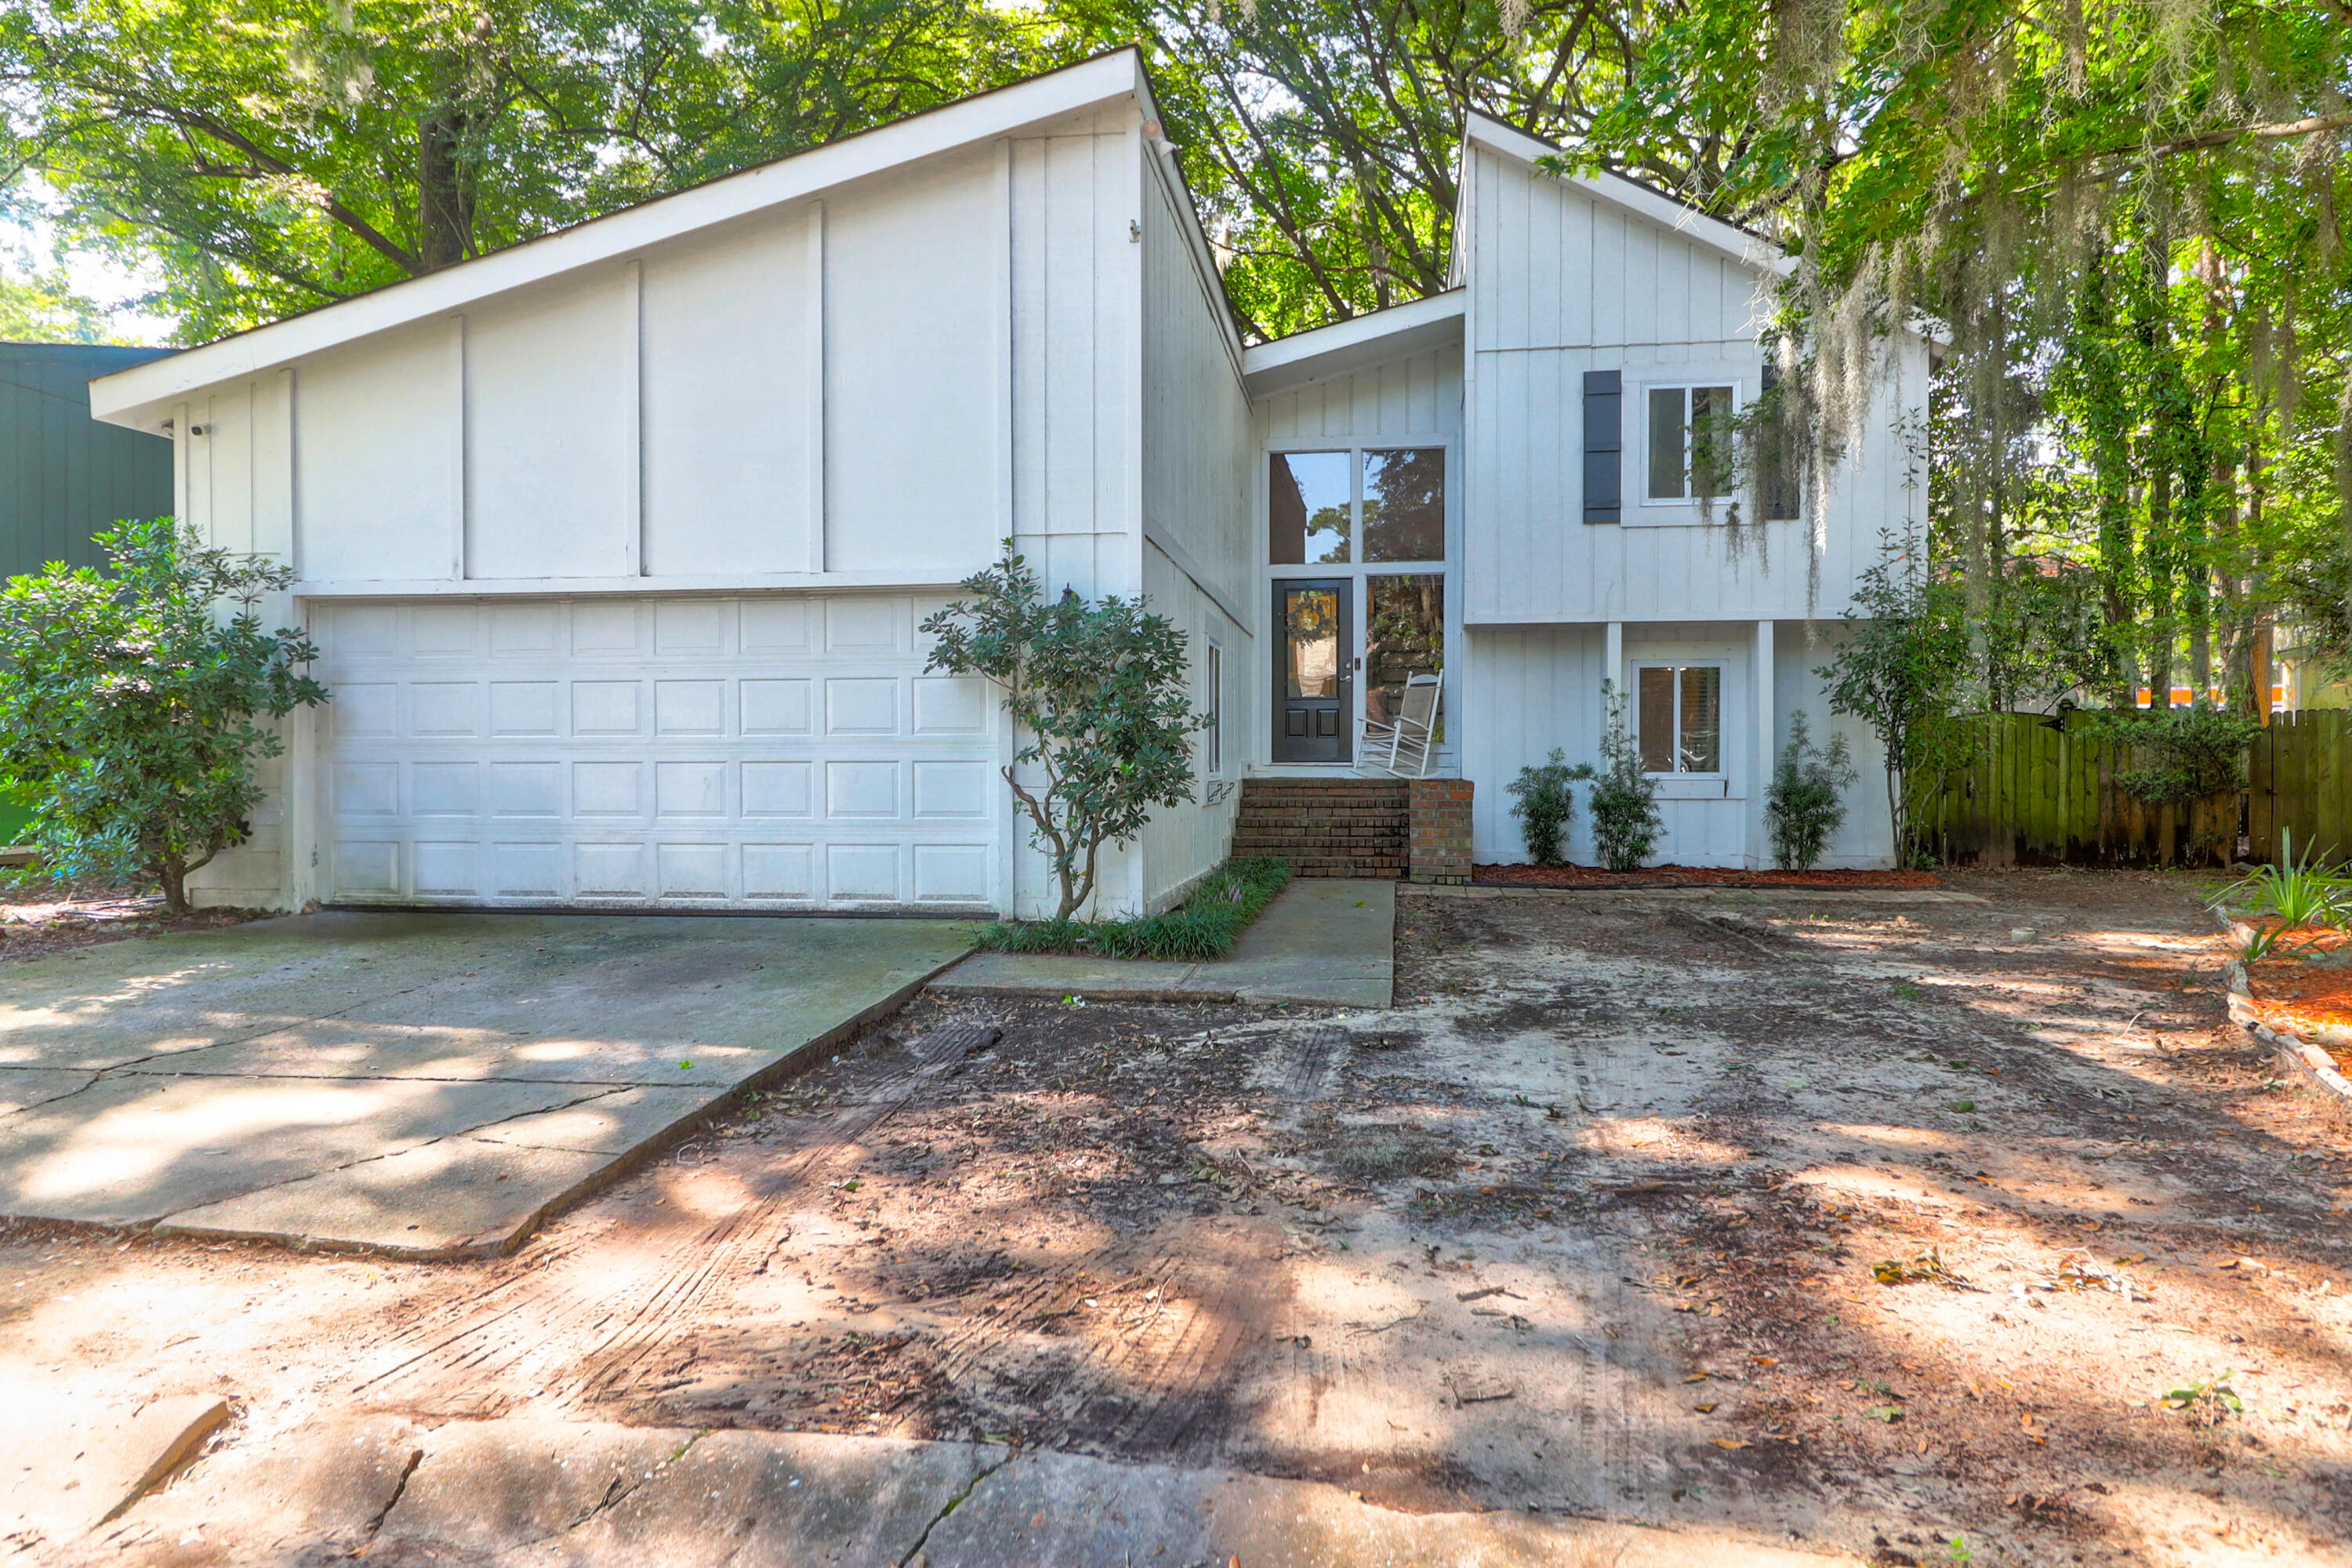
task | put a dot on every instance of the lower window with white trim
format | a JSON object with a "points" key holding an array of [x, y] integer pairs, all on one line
{"points": [[1678, 717]]}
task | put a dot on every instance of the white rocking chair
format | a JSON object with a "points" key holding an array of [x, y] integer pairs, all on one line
{"points": [[1404, 746]]}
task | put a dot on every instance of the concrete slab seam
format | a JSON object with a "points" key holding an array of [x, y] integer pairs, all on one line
{"points": [[162, 1223]]}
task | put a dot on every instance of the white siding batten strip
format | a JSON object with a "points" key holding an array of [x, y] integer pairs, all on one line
{"points": [[632, 417], [1766, 727], [460, 544], [815, 351], [1004, 285]]}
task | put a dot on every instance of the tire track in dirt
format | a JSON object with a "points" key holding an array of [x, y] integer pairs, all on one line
{"points": [[590, 1343]]}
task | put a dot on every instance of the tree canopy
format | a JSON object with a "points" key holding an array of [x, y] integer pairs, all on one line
{"points": [[2123, 217]]}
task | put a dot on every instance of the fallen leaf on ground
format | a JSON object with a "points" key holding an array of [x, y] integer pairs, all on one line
{"points": [[1728, 1443]]}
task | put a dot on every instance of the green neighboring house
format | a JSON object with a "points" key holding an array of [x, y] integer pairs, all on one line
{"points": [[63, 475]]}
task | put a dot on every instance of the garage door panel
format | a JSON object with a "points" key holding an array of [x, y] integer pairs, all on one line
{"points": [[774, 707], [520, 709], [364, 710], [786, 753], [519, 631], [445, 710], [606, 628], [604, 708], [774, 626], [689, 706], [779, 789], [525, 870]]}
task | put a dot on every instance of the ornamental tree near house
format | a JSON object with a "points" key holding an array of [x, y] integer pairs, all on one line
{"points": [[128, 700], [1096, 692]]}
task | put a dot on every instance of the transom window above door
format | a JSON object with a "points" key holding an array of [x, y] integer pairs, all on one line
{"points": [[1680, 717], [1367, 504]]}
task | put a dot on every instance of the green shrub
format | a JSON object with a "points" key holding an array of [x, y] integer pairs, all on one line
{"points": [[1626, 826], [1096, 696], [129, 701], [2190, 753], [1205, 926], [1806, 803], [1545, 806]]}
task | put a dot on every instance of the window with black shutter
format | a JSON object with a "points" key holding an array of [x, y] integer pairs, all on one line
{"points": [[1604, 446]]}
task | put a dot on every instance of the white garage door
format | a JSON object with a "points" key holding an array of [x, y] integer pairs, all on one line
{"points": [[756, 752]]}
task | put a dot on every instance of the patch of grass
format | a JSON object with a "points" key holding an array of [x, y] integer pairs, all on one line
{"points": [[1369, 1155], [1206, 925]]}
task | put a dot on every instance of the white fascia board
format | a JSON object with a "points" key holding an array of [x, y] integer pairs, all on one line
{"points": [[1729, 239], [141, 397], [1356, 341]]}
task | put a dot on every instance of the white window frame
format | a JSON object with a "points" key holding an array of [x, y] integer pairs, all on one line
{"points": [[1723, 724], [1213, 672], [1687, 502]]}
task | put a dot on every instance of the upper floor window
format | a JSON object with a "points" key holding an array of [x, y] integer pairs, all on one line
{"points": [[1311, 499], [1382, 505], [1680, 717], [1691, 442]]}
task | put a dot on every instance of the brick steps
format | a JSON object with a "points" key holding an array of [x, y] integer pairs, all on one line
{"points": [[1329, 827]]}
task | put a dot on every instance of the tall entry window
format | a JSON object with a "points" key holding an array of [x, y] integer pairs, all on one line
{"points": [[1356, 556], [1311, 502], [1680, 715]]}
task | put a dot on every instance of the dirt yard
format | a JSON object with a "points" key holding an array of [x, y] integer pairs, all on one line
{"points": [[1866, 1224], [40, 918]]}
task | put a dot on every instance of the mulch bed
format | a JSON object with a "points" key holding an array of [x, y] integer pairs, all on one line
{"points": [[42, 919], [1694, 877], [2307, 991]]}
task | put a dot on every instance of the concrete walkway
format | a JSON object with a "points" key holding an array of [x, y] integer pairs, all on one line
{"points": [[1323, 940], [422, 1084], [551, 1492]]}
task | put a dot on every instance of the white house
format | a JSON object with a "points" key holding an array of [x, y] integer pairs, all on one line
{"points": [[615, 543]]}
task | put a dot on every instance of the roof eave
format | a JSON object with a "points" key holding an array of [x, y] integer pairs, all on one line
{"points": [[1359, 341]]}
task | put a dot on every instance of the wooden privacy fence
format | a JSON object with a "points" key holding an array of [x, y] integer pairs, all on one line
{"points": [[2300, 785], [2039, 792]]}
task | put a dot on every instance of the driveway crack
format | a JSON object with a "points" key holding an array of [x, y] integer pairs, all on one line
{"points": [[399, 1490], [915, 1553]]}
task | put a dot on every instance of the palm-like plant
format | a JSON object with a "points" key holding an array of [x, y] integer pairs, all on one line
{"points": [[2294, 895]]}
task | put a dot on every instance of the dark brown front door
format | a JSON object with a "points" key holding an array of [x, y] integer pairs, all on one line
{"points": [[1314, 674]]}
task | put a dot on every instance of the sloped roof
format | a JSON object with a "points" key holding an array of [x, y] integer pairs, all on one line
{"points": [[141, 396]]}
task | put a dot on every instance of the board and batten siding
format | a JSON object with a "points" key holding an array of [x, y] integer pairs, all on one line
{"points": [[872, 386], [1412, 398], [1076, 377], [1562, 283], [1540, 687], [1199, 458], [853, 387]]}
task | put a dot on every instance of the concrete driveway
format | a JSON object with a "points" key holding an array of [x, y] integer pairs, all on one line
{"points": [[428, 1084]]}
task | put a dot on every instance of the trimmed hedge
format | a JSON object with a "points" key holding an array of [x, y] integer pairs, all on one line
{"points": [[1206, 925]]}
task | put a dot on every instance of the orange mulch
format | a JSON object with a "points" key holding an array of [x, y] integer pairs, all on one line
{"points": [[2312, 1001], [1694, 877]]}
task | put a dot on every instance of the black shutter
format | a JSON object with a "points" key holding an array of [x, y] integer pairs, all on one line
{"points": [[1776, 490], [1604, 445]]}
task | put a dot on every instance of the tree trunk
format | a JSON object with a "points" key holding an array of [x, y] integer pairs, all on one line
{"points": [[173, 874], [445, 200]]}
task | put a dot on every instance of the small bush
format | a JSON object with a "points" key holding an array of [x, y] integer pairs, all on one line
{"points": [[1626, 826], [1545, 806], [1205, 926], [2190, 753], [1806, 803]]}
